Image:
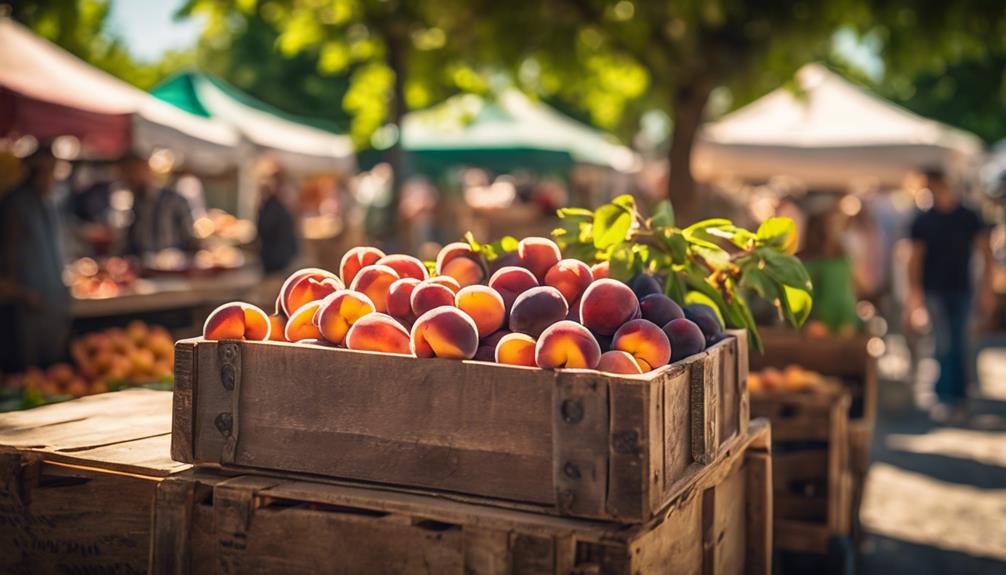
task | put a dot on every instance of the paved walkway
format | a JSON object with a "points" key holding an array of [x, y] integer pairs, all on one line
{"points": [[935, 495]]}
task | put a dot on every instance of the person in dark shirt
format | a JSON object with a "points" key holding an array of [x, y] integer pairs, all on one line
{"points": [[162, 218], [940, 284], [276, 228]]}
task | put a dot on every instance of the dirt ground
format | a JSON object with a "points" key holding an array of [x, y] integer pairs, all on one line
{"points": [[935, 495]]}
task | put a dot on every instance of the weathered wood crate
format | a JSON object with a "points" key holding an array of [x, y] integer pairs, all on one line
{"points": [[77, 483], [811, 473], [569, 442], [207, 522]]}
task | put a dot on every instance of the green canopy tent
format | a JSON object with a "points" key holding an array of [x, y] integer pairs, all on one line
{"points": [[507, 133]]}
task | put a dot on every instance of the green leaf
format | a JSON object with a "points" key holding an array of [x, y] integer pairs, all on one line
{"points": [[509, 244], [779, 233], [625, 201], [674, 287], [611, 225], [714, 222], [575, 214], [799, 302], [663, 215], [786, 269], [622, 262]]}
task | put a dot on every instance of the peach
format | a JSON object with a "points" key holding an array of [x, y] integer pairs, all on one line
{"points": [[458, 261], [278, 326], [375, 281], [487, 346], [538, 255], [536, 309], [510, 282], [338, 312], [567, 344], [445, 332], [378, 332], [446, 281], [516, 349], [301, 325], [302, 286], [484, 306], [400, 297], [644, 341], [571, 277], [428, 295], [616, 361], [355, 260], [600, 270], [406, 266], [606, 305], [237, 320]]}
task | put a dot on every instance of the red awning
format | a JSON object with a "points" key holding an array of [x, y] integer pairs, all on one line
{"points": [[100, 135]]}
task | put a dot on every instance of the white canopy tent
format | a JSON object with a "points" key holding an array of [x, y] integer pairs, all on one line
{"points": [[39, 71], [831, 134]]}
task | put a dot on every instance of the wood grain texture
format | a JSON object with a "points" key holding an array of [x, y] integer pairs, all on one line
{"points": [[183, 405]]}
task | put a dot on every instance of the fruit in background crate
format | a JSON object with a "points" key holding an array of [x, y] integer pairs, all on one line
{"points": [[707, 320], [301, 324], [355, 260], [571, 277], [567, 344], [660, 309], [516, 349], [606, 305], [457, 260], [445, 332], [538, 255], [536, 309], [484, 305], [429, 295], [616, 361], [305, 285], [235, 320], [375, 281], [378, 332], [400, 298], [510, 282], [338, 312], [643, 285], [686, 338], [815, 329], [646, 342], [406, 266]]}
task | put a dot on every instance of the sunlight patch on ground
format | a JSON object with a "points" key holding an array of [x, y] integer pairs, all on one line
{"points": [[919, 509], [992, 373], [981, 446]]}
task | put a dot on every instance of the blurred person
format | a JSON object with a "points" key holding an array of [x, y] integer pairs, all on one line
{"points": [[943, 239], [277, 232], [162, 218], [34, 301], [829, 266]]}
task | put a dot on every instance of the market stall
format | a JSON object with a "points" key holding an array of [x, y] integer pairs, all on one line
{"points": [[828, 134]]}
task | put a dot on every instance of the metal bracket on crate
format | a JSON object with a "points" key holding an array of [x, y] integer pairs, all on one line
{"points": [[227, 423]]}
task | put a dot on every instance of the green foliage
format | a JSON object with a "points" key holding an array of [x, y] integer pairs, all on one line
{"points": [[712, 262]]}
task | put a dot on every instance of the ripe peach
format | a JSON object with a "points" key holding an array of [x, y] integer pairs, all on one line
{"points": [[571, 277], [645, 341], [567, 344], [516, 349], [616, 361], [428, 295], [406, 266], [375, 281], [338, 312], [487, 346], [237, 320], [606, 305], [600, 270], [510, 282], [484, 306], [536, 309], [378, 332], [278, 326], [355, 260], [301, 325], [458, 261], [686, 338], [446, 281], [538, 255], [400, 297], [445, 332], [659, 309], [306, 285]]}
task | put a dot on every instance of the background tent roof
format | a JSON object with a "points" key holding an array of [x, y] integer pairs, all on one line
{"points": [[299, 146], [503, 134], [48, 92], [828, 134]]}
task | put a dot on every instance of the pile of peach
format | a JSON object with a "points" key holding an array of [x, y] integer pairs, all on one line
{"points": [[535, 309]]}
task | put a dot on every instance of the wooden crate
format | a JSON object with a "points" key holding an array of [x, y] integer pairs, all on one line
{"points": [[811, 472], [77, 483], [569, 442], [206, 522]]}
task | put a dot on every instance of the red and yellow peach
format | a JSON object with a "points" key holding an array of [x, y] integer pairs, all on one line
{"points": [[378, 332], [400, 297], [458, 261], [607, 304], [646, 342], [571, 277], [567, 344], [237, 320], [538, 255], [484, 305], [516, 349], [510, 282], [406, 266], [616, 361], [355, 260], [428, 295], [301, 325], [375, 281], [339, 311], [445, 332], [536, 309]]}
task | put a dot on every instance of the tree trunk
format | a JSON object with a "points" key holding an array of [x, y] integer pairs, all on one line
{"points": [[396, 44], [688, 104]]}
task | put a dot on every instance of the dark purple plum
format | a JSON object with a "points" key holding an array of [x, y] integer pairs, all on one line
{"points": [[603, 340], [487, 346], [643, 285], [686, 338], [660, 309], [706, 319]]}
